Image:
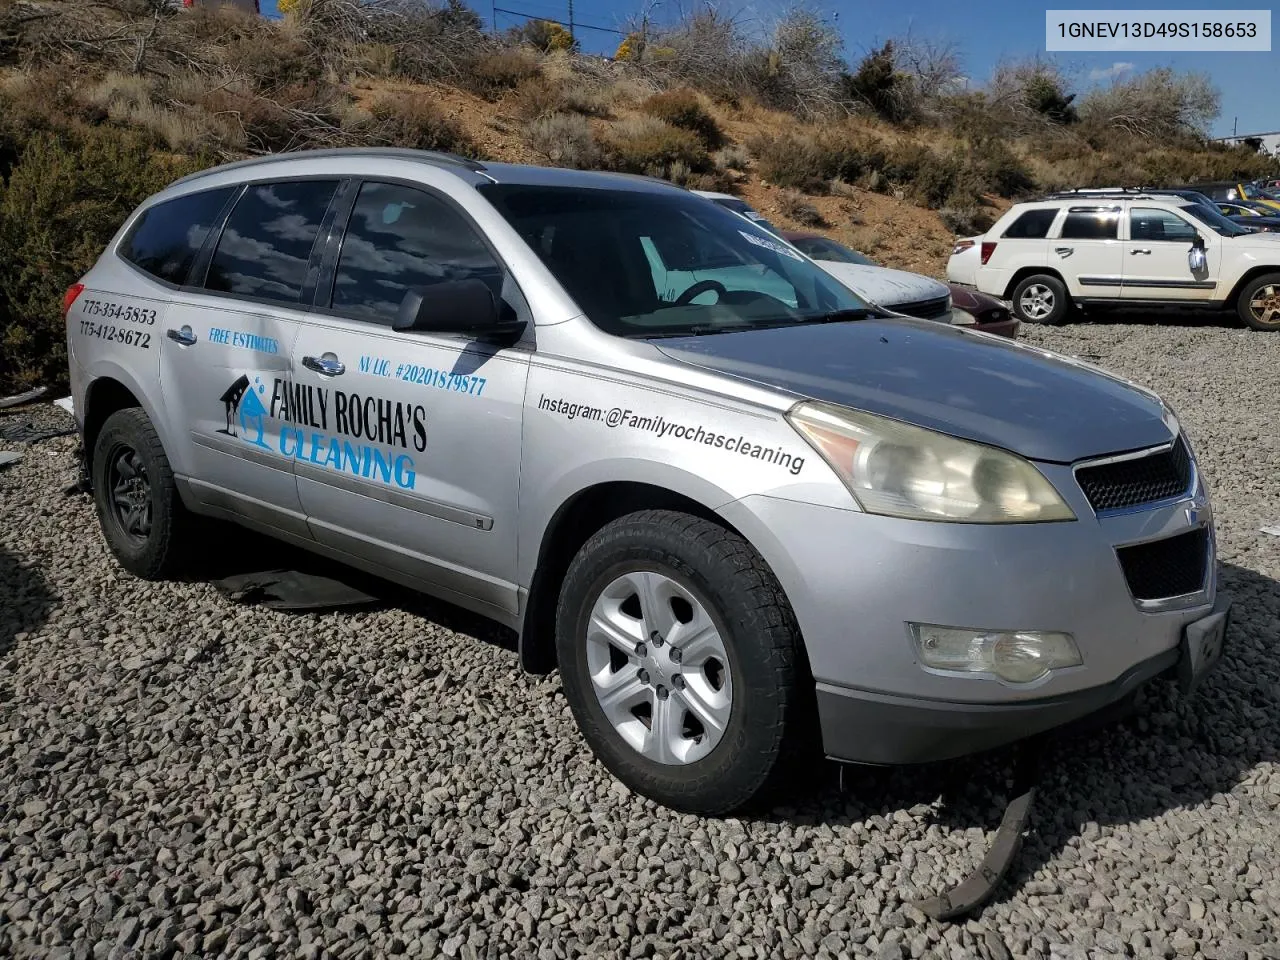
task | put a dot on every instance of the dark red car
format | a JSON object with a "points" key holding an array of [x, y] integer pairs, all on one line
{"points": [[991, 315]]}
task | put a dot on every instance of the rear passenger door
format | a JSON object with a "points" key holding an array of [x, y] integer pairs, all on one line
{"points": [[226, 348], [1088, 252], [413, 462]]}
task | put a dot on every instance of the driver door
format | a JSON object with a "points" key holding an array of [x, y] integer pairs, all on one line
{"points": [[1155, 260]]}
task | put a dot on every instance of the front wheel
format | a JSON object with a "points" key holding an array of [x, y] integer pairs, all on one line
{"points": [[1259, 302], [682, 662], [1041, 299]]}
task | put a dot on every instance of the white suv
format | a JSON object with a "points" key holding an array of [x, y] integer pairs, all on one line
{"points": [[1128, 249]]}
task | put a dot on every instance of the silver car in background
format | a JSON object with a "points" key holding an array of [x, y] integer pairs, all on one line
{"points": [[750, 519]]}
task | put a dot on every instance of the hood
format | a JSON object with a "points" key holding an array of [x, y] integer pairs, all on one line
{"points": [[882, 285], [1040, 405]]}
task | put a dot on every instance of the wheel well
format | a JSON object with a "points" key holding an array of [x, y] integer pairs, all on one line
{"points": [[1245, 280], [1025, 272], [104, 397], [571, 527]]}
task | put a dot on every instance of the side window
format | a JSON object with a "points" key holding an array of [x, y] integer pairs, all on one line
{"points": [[1091, 224], [165, 240], [266, 244], [398, 239], [1033, 224], [1148, 223]]}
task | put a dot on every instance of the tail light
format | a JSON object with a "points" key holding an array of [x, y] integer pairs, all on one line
{"points": [[69, 298], [988, 248], [961, 246]]}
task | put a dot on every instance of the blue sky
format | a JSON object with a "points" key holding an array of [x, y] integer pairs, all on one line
{"points": [[985, 31]]}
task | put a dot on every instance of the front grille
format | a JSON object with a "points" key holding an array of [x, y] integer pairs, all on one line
{"points": [[1166, 568], [1128, 483], [924, 309]]}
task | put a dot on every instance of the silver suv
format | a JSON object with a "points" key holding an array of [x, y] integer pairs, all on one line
{"points": [[745, 525]]}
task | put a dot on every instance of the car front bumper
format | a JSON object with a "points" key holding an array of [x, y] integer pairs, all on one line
{"points": [[857, 582], [1002, 328]]}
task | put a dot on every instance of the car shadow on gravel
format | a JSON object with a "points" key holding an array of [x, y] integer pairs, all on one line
{"points": [[1168, 752], [1161, 317], [236, 550], [25, 600]]}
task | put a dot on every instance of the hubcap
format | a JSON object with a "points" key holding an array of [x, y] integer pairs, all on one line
{"points": [[130, 493], [1036, 302], [1265, 305], [659, 668]]}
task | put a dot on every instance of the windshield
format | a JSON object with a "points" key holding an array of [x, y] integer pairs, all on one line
{"points": [[820, 248], [1213, 219], [652, 264], [748, 211]]}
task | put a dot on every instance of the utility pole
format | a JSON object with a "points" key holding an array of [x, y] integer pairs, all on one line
{"points": [[571, 19]]}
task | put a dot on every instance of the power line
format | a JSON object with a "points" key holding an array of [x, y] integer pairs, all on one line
{"points": [[576, 25]]}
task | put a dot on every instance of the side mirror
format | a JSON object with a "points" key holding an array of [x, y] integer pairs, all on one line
{"points": [[1197, 259], [455, 306]]}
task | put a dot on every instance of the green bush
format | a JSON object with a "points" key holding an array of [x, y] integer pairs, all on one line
{"points": [[683, 108], [651, 146], [64, 199]]}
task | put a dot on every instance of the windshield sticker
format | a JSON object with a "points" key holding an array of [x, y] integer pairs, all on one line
{"points": [[246, 341], [425, 376], [663, 428], [773, 245], [300, 421]]}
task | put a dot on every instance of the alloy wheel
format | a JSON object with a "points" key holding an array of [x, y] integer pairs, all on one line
{"points": [[659, 667], [1265, 305], [1036, 302], [130, 489]]}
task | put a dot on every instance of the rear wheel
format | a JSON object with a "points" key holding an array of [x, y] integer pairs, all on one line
{"points": [[1041, 299], [682, 662], [142, 517], [1259, 302]]}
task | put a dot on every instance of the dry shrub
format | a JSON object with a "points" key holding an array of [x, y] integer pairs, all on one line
{"points": [[732, 157], [796, 206], [418, 123], [271, 59], [651, 146], [494, 74], [563, 139], [541, 97], [965, 221], [683, 108], [374, 59]]}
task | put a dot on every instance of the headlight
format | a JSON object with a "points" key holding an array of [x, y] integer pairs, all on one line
{"points": [[898, 470], [962, 318]]}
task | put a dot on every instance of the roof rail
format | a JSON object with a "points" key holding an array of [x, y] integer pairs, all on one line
{"points": [[388, 153]]}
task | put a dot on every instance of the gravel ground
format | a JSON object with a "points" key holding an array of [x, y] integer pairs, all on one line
{"points": [[181, 774]]}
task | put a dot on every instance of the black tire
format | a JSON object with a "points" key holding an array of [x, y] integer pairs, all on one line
{"points": [[770, 730], [165, 546], [1258, 306], [1050, 291]]}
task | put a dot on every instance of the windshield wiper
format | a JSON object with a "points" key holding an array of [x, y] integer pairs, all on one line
{"points": [[840, 316]]}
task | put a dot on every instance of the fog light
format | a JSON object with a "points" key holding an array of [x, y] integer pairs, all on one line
{"points": [[1018, 656]]}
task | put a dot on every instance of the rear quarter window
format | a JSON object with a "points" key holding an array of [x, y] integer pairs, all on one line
{"points": [[1091, 225], [166, 238], [1032, 224]]}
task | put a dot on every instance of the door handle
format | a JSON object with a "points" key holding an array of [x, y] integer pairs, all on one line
{"points": [[1064, 251], [183, 336], [326, 366], [1140, 250]]}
